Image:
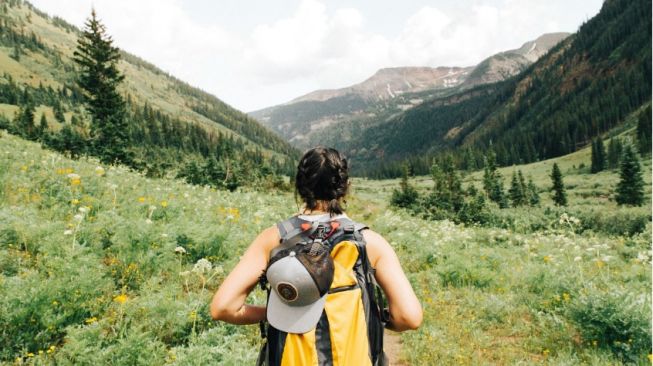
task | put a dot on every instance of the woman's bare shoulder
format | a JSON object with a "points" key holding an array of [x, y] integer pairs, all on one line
{"points": [[376, 245]]}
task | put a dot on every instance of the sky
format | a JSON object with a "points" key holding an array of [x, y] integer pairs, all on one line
{"points": [[259, 53]]}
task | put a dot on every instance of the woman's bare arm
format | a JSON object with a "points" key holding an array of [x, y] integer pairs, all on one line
{"points": [[405, 309], [229, 301]]}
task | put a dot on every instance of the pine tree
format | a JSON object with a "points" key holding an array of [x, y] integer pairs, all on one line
{"points": [[406, 196], [516, 191], [598, 156], [493, 182], [24, 121], [644, 131], [630, 189], [43, 126], [559, 194], [614, 152], [533, 194], [99, 78]]}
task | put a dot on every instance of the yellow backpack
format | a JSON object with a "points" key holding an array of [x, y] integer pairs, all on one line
{"points": [[350, 329]]}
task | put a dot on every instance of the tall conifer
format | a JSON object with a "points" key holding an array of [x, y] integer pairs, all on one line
{"points": [[630, 189], [99, 78], [559, 194]]}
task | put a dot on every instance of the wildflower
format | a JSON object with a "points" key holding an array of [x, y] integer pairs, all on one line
{"points": [[74, 201], [164, 235], [192, 315], [600, 263], [99, 171], [164, 203], [148, 221], [51, 349], [545, 352], [152, 207], [578, 259], [121, 299], [30, 354], [184, 273], [547, 258], [55, 303], [90, 320], [141, 199], [180, 250], [566, 296], [78, 217], [83, 209], [23, 168], [202, 265], [68, 232]]}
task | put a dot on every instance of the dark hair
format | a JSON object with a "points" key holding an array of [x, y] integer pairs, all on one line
{"points": [[322, 174]]}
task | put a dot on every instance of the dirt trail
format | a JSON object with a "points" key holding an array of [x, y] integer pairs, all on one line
{"points": [[392, 348]]}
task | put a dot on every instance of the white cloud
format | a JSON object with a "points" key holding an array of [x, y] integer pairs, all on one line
{"points": [[313, 46]]}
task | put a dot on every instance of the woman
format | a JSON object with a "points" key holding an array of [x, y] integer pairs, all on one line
{"points": [[322, 182]]}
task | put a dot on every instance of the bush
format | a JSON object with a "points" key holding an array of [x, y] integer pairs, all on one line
{"points": [[614, 319]]}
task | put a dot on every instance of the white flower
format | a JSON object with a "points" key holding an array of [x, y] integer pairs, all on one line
{"points": [[184, 273], [164, 235], [73, 176], [83, 209], [202, 265], [606, 258], [152, 208], [578, 259], [68, 232], [78, 217], [180, 250], [148, 221]]}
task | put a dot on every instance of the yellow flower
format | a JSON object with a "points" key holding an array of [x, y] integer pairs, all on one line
{"points": [[566, 296], [545, 352], [547, 259], [23, 168], [164, 203], [595, 343], [121, 299], [141, 199], [90, 320], [51, 349], [55, 303], [75, 182], [600, 263]]}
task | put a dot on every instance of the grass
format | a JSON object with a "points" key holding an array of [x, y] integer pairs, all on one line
{"points": [[90, 275]]}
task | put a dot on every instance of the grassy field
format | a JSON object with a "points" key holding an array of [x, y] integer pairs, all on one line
{"points": [[91, 273]]}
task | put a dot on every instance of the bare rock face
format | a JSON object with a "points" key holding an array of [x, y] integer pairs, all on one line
{"points": [[506, 64], [388, 83]]}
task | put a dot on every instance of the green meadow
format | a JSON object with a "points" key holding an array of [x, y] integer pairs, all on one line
{"points": [[102, 265]]}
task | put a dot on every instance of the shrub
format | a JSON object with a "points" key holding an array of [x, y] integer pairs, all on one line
{"points": [[614, 319]]}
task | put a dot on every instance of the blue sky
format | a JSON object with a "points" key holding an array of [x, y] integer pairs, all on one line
{"points": [[254, 54]]}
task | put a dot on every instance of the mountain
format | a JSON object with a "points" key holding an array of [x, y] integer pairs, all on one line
{"points": [[506, 64], [582, 88], [304, 120], [171, 122]]}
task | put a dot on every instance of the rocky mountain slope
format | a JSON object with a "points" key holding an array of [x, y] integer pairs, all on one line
{"points": [[392, 90]]}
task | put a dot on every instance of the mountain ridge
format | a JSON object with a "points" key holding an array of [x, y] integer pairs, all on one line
{"points": [[392, 90]]}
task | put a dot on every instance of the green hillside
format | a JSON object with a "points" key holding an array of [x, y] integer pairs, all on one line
{"points": [[581, 89], [170, 121], [91, 269]]}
